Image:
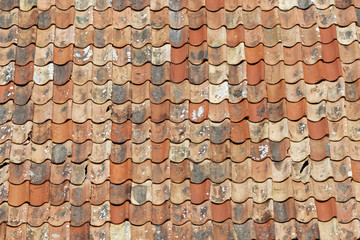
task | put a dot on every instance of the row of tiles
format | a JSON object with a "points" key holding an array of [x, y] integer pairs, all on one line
{"points": [[179, 132], [139, 113], [178, 172], [155, 5], [178, 37], [310, 57], [215, 51], [194, 55], [179, 94], [177, 193], [179, 214], [177, 73], [210, 230], [158, 152], [336, 113], [178, 19]]}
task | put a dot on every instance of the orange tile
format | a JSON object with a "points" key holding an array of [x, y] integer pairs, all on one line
{"points": [[63, 55], [18, 194], [198, 36], [39, 194], [326, 210]]}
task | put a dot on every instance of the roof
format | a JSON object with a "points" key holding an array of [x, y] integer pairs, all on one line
{"points": [[179, 119]]}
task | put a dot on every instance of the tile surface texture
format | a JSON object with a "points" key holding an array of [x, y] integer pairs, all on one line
{"points": [[179, 119]]}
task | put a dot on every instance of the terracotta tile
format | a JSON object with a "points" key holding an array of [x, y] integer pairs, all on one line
{"points": [[79, 5], [102, 19], [216, 56], [160, 213], [202, 212], [178, 19], [38, 232], [178, 55], [125, 170], [64, 4], [139, 215], [198, 112], [198, 74], [41, 94], [100, 232], [26, 6], [269, 17], [41, 132], [120, 193], [22, 114], [224, 230], [59, 215], [28, 19], [9, 18], [100, 214], [80, 232], [8, 5], [264, 230], [102, 5], [121, 132], [63, 55], [18, 194], [7, 73], [21, 93], [83, 18], [140, 74], [46, 18], [98, 173], [64, 18], [24, 55], [17, 173], [40, 172], [84, 37], [7, 112], [160, 74], [8, 37], [179, 171], [18, 215], [62, 132], [197, 19], [39, 194], [328, 34], [141, 18], [214, 5], [197, 36], [180, 214], [63, 93], [142, 172], [265, 148], [24, 74], [160, 112], [80, 215], [59, 193], [61, 172], [326, 210], [318, 130], [178, 37], [64, 37], [44, 5], [18, 232], [38, 215], [216, 112], [63, 230], [60, 112], [232, 5]]}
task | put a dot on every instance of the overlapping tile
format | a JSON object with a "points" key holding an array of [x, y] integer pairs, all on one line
{"points": [[179, 119]]}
